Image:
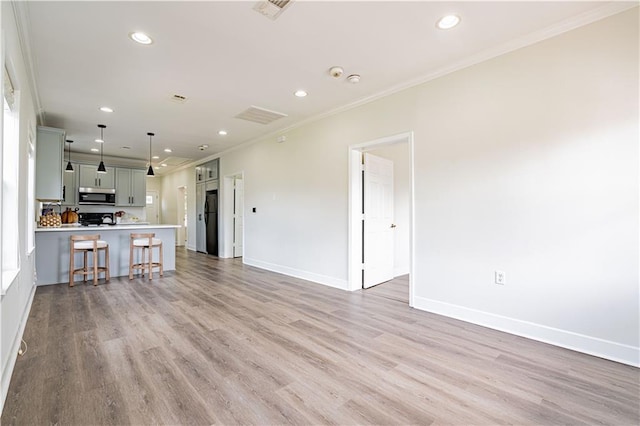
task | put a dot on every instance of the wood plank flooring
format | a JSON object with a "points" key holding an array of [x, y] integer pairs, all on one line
{"points": [[217, 342]]}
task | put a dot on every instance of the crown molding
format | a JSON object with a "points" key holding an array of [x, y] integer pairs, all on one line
{"points": [[591, 16], [21, 14]]}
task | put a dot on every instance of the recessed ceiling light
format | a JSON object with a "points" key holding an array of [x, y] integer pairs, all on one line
{"points": [[300, 93], [164, 164], [140, 37], [155, 157], [99, 141], [222, 132], [167, 150], [106, 109], [448, 21], [95, 150]]}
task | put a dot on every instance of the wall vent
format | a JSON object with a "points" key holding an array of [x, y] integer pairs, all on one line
{"points": [[178, 98], [271, 8], [175, 161], [260, 115]]}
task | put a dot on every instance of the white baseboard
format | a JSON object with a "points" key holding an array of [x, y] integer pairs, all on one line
{"points": [[297, 273], [7, 370], [613, 351], [191, 247]]}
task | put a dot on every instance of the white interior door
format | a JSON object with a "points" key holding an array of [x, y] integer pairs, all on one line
{"points": [[378, 250], [152, 211], [238, 217]]}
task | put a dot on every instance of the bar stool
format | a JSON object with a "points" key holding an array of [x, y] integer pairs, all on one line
{"points": [[146, 242], [86, 244]]}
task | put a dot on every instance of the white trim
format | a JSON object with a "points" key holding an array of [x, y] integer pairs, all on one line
{"points": [[398, 272], [191, 247], [13, 352], [613, 351], [355, 217], [298, 273]]}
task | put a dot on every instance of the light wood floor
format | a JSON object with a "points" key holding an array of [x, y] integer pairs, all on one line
{"points": [[221, 343]]}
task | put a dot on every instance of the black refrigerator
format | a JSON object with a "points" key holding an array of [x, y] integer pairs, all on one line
{"points": [[211, 221]]}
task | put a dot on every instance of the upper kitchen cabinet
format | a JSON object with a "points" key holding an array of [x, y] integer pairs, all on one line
{"points": [[49, 153], [70, 186], [90, 178], [131, 187], [207, 171], [211, 169]]}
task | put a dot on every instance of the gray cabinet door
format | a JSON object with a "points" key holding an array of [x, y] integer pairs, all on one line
{"points": [[123, 187], [70, 186], [90, 178], [211, 169], [49, 149], [131, 187], [138, 188]]}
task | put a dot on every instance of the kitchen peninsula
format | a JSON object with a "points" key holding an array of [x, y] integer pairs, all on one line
{"points": [[52, 249]]}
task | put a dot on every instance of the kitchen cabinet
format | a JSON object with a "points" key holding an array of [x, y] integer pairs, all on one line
{"points": [[200, 174], [131, 187], [211, 170], [49, 156], [70, 186], [207, 171], [90, 178]]}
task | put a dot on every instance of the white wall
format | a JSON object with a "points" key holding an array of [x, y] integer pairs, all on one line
{"points": [[526, 163], [169, 197], [15, 304], [399, 154]]}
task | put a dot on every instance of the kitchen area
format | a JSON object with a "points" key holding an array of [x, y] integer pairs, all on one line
{"points": [[77, 198]]}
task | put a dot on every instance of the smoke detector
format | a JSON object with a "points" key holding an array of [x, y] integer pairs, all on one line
{"points": [[336, 72], [354, 78], [272, 8]]}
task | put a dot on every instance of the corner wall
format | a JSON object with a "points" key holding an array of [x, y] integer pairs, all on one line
{"points": [[527, 163], [16, 303]]}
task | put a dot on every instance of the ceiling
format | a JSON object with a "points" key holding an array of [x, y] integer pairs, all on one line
{"points": [[225, 57]]}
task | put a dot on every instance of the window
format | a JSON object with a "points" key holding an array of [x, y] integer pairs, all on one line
{"points": [[10, 161]]}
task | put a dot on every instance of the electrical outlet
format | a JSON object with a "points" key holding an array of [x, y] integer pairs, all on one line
{"points": [[500, 277]]}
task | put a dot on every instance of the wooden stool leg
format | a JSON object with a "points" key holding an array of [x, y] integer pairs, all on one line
{"points": [[84, 267], [95, 267], [130, 260], [71, 265], [161, 261], [150, 262], [106, 263]]}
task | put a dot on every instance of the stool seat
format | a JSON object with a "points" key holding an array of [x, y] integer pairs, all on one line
{"points": [[88, 245], [144, 242]]}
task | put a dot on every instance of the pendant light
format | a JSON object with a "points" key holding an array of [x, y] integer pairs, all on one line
{"points": [[150, 171], [101, 167], [69, 168]]}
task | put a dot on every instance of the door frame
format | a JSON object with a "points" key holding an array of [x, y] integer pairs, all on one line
{"points": [[355, 212], [156, 194], [225, 209]]}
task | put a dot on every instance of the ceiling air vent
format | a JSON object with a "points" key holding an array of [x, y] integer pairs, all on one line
{"points": [[178, 98], [272, 8], [260, 115]]}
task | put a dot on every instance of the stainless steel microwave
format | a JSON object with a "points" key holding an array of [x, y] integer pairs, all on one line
{"points": [[97, 196]]}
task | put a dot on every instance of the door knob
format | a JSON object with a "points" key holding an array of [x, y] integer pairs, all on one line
{"points": [[393, 225]]}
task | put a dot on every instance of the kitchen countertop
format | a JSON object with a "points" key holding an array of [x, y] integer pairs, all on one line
{"points": [[102, 228]]}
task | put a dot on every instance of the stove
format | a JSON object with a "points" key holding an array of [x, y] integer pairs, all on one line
{"points": [[96, 219]]}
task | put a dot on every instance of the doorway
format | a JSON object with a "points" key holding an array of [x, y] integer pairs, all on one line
{"points": [[152, 210], [181, 202], [371, 232], [233, 216]]}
